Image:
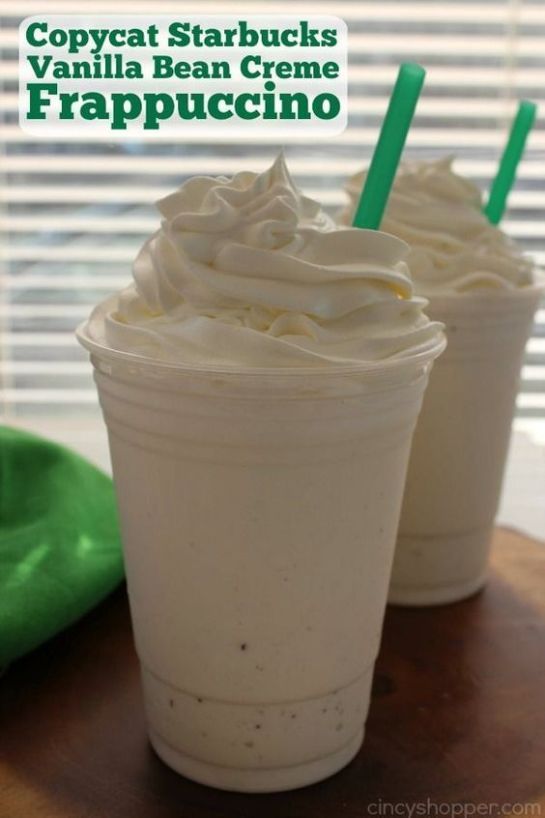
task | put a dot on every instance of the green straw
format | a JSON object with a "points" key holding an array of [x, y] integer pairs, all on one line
{"points": [[502, 184], [387, 154]]}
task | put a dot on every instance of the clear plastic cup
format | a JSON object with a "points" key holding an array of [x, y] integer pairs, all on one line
{"points": [[259, 512], [460, 447]]}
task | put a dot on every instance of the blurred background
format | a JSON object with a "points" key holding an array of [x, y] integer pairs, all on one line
{"points": [[73, 213]]}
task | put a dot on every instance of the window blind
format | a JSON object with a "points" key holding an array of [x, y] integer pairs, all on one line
{"points": [[73, 213]]}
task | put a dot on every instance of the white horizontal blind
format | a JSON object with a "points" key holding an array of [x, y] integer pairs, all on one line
{"points": [[73, 213]]}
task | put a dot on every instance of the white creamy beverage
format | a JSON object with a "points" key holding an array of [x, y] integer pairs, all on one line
{"points": [[260, 381], [485, 292]]}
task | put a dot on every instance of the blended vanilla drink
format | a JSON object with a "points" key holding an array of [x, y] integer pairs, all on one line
{"points": [[484, 290], [260, 381]]}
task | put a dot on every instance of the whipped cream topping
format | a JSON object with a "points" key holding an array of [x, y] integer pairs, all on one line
{"points": [[454, 248], [249, 272]]}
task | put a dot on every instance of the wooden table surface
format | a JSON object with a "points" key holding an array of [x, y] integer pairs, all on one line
{"points": [[458, 715]]}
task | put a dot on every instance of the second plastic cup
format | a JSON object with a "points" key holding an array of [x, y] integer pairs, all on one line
{"points": [[460, 446], [259, 514]]}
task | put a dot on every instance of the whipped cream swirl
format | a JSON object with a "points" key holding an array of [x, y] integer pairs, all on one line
{"points": [[453, 246], [249, 272]]}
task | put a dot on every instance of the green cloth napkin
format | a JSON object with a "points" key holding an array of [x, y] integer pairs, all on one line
{"points": [[59, 540]]}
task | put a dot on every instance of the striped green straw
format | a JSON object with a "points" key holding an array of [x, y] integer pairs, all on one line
{"points": [[388, 150], [507, 170]]}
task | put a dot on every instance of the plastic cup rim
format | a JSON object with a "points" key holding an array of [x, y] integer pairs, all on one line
{"points": [[109, 355]]}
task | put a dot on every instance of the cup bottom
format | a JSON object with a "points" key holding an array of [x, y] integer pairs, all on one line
{"points": [[424, 597], [438, 570], [274, 779], [256, 747]]}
